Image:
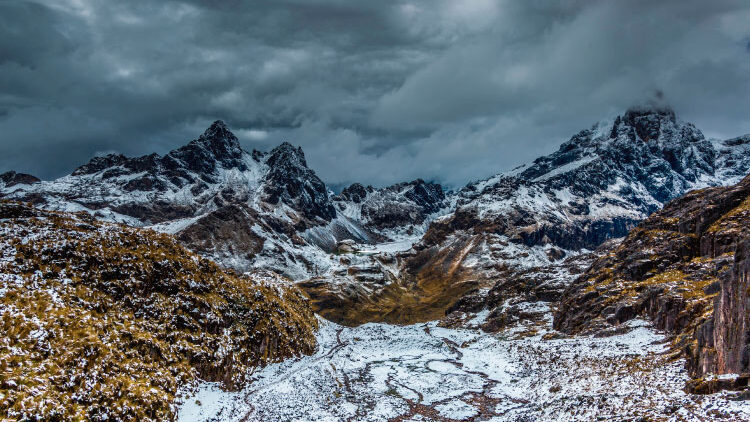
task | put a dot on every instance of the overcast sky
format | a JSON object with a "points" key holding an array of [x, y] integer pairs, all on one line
{"points": [[374, 91]]}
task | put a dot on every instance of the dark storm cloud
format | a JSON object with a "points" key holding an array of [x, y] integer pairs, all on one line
{"points": [[374, 91]]}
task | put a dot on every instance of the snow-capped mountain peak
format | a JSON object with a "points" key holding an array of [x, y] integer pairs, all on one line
{"points": [[287, 155], [291, 181], [598, 184]]}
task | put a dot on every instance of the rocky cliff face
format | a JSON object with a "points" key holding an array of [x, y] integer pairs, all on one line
{"points": [[101, 321], [290, 181], [731, 325], [685, 267], [727, 348]]}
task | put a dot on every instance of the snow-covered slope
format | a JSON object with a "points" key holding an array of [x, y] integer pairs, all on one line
{"points": [[380, 372]]}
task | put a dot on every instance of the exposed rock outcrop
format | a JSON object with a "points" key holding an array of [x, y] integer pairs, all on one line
{"points": [[290, 181], [727, 348], [685, 268]]}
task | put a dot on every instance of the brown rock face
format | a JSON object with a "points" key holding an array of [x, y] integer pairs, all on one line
{"points": [[730, 323], [226, 231], [686, 268]]}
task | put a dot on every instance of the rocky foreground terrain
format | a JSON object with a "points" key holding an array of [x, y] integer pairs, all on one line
{"points": [[604, 281], [100, 321]]}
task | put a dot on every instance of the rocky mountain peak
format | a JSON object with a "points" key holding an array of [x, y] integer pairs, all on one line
{"points": [[356, 193], [11, 178], [645, 142], [219, 134], [100, 163], [647, 122], [292, 182], [634, 113], [400, 206], [287, 155], [427, 195], [216, 147]]}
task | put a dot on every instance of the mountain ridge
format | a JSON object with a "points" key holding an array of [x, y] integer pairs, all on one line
{"points": [[515, 228], [596, 186]]}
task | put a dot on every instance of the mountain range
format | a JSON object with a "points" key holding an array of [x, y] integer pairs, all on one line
{"points": [[638, 217], [269, 210]]}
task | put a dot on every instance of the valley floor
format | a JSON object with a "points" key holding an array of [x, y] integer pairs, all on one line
{"points": [[380, 372]]}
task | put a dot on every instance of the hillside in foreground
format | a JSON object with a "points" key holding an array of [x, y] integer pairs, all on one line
{"points": [[101, 321]]}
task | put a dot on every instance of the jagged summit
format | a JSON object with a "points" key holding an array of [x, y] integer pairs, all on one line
{"points": [[292, 182], [216, 147], [212, 170], [647, 144], [219, 134], [218, 127], [400, 206], [356, 193], [287, 154], [602, 181]]}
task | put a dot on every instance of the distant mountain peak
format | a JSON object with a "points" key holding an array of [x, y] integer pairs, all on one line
{"points": [[218, 131], [218, 124], [217, 146], [11, 178], [219, 138], [292, 182], [647, 120]]}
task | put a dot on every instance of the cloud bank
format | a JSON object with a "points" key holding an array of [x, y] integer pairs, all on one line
{"points": [[375, 92]]}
